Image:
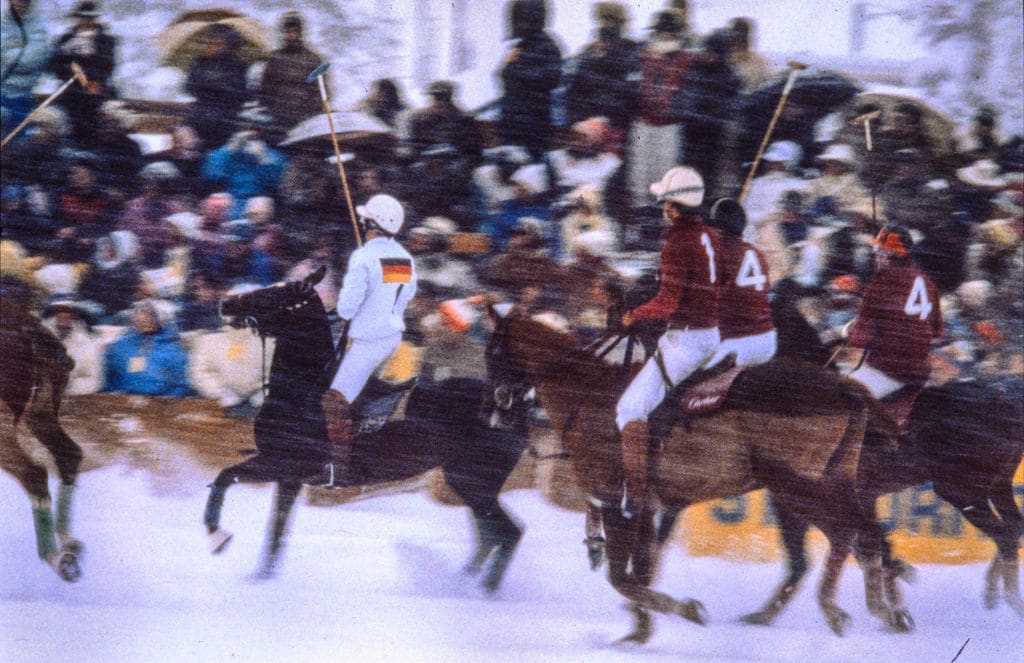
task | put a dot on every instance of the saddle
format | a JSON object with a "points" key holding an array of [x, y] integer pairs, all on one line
{"points": [[899, 404], [704, 392]]}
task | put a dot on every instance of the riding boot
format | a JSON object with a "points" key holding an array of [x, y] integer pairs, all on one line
{"points": [[338, 418], [634, 461]]}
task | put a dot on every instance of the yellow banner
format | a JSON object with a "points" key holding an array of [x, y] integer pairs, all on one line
{"points": [[922, 527]]}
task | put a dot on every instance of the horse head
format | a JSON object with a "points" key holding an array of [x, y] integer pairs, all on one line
{"points": [[273, 310]]}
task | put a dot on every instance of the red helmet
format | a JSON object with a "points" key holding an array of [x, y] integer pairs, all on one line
{"points": [[894, 240]]}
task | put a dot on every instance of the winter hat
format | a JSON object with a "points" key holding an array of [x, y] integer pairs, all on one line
{"points": [[85, 9], [125, 246], [88, 311], [439, 225], [160, 171], [291, 19], [533, 178], [667, 21], [594, 243], [784, 151], [974, 294], [58, 279], [512, 155], [186, 223], [840, 153], [611, 11], [984, 173]]}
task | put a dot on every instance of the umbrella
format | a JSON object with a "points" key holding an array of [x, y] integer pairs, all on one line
{"points": [[814, 95], [817, 92], [353, 128], [938, 126], [179, 43]]}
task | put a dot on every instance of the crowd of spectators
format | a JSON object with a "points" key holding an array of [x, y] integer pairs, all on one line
{"points": [[132, 253]]}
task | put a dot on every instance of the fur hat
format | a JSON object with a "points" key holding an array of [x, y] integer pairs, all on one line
{"points": [[534, 178], [58, 279], [984, 173]]}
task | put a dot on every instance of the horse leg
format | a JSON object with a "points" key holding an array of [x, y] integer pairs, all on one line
{"points": [[836, 617], [32, 477], [287, 492], [883, 598], [1003, 529], [67, 455], [630, 571], [595, 535], [793, 530], [497, 533], [1007, 553]]}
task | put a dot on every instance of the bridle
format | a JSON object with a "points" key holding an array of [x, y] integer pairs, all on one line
{"points": [[507, 390]]}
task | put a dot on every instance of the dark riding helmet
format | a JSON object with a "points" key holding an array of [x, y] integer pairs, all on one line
{"points": [[728, 216], [894, 240]]}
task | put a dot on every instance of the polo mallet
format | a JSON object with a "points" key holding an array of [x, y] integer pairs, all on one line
{"points": [[77, 74], [318, 76], [866, 119], [794, 69]]}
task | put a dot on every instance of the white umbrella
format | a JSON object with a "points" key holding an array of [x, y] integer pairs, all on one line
{"points": [[349, 126]]}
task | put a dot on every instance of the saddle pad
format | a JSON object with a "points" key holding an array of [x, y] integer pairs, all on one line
{"points": [[900, 405], [708, 395]]}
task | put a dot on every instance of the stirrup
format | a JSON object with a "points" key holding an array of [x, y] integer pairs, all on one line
{"points": [[332, 478], [218, 540]]}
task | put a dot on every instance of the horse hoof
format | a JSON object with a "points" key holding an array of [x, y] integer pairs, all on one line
{"points": [[642, 631], [499, 563], [595, 551], [66, 566], [906, 572], [838, 621], [218, 541], [901, 621], [694, 611], [72, 545], [760, 618]]}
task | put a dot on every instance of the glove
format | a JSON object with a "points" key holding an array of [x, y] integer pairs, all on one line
{"points": [[238, 141], [257, 149]]}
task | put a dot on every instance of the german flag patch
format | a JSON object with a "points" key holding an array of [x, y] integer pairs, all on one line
{"points": [[396, 270]]}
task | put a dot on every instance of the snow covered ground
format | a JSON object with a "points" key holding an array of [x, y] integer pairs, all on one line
{"points": [[380, 580]]}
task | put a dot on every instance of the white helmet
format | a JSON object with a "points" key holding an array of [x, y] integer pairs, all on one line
{"points": [[681, 184], [385, 212]]}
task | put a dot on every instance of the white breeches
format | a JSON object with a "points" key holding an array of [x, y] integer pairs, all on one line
{"points": [[878, 383], [749, 350], [683, 352], [362, 358]]}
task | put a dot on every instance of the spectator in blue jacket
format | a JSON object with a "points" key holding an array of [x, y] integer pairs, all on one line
{"points": [[149, 360], [245, 166]]}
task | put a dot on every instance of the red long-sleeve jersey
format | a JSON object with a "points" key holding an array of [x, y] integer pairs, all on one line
{"points": [[688, 295], [743, 308], [897, 321]]}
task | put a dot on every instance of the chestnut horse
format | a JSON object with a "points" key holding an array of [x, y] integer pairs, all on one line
{"points": [[790, 426], [33, 375]]}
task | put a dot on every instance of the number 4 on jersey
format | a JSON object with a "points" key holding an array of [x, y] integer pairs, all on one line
{"points": [[750, 273], [917, 303]]}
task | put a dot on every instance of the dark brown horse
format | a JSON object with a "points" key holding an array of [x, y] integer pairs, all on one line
{"points": [[443, 426], [966, 438], [789, 426], [34, 369]]}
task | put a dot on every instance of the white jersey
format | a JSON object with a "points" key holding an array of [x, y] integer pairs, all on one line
{"points": [[379, 283]]}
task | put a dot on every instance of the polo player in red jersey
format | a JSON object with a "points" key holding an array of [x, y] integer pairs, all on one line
{"points": [[688, 299], [898, 319], [744, 315]]}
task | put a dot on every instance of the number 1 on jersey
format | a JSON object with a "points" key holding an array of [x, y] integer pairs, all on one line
{"points": [[710, 250]]}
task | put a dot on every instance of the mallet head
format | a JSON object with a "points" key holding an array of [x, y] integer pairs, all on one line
{"points": [[318, 72], [795, 64]]}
